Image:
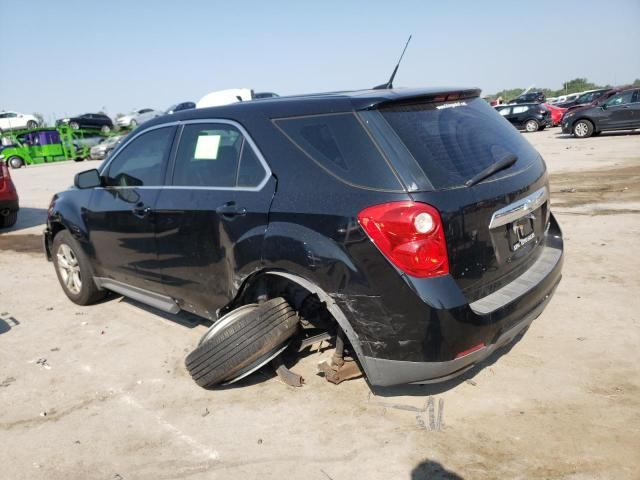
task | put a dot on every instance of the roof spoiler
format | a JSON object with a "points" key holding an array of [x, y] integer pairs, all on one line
{"points": [[420, 98]]}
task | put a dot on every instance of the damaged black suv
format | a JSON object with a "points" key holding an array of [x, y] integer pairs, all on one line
{"points": [[412, 227]]}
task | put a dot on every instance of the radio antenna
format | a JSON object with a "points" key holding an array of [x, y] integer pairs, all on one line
{"points": [[389, 84]]}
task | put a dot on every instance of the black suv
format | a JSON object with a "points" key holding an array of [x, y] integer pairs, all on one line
{"points": [[531, 97], [98, 121], [412, 226], [619, 112], [530, 117]]}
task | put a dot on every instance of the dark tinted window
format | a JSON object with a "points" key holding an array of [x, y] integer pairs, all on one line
{"points": [[340, 145], [455, 141], [620, 99], [208, 155], [142, 162]]}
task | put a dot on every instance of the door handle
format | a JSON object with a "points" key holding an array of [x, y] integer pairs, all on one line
{"points": [[141, 211], [231, 210]]}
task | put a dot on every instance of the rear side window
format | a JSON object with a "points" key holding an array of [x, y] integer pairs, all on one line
{"points": [[216, 155], [452, 142], [339, 144]]}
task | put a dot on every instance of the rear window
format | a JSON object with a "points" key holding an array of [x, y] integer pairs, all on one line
{"points": [[454, 141], [340, 145]]}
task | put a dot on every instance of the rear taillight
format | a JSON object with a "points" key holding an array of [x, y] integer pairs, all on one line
{"points": [[410, 235]]}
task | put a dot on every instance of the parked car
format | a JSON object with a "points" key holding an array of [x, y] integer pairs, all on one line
{"points": [[180, 106], [619, 112], [556, 113], [9, 202], [599, 100], [137, 117], [95, 121], [412, 226], [530, 117], [584, 99], [529, 97], [102, 149], [10, 120]]}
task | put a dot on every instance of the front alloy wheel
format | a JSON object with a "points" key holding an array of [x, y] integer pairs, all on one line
{"points": [[583, 129], [73, 270], [69, 269]]}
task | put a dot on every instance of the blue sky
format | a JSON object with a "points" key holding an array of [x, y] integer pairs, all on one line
{"points": [[71, 57]]}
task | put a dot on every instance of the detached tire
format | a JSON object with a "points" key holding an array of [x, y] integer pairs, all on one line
{"points": [[242, 341]]}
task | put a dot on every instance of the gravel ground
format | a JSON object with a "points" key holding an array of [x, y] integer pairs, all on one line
{"points": [[101, 392]]}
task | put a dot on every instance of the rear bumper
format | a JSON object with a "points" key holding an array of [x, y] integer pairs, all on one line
{"points": [[383, 372], [441, 335]]}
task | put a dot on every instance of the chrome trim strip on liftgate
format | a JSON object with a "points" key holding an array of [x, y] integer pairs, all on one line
{"points": [[519, 209]]}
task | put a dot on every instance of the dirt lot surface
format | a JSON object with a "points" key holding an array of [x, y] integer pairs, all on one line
{"points": [[101, 392]]}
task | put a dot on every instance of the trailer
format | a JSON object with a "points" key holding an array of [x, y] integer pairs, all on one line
{"points": [[43, 145]]}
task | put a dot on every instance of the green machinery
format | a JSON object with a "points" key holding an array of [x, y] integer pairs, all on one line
{"points": [[43, 145]]}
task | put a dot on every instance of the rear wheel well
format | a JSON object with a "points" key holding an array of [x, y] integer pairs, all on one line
{"points": [[316, 308]]}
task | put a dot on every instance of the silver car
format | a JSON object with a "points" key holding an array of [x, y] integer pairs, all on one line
{"points": [[101, 150], [137, 117]]}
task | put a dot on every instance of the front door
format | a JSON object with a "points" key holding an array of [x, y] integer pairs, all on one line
{"points": [[121, 215], [212, 219]]}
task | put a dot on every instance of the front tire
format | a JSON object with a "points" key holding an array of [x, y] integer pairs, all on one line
{"points": [[531, 126], [583, 129], [241, 342], [15, 162], [74, 270], [74, 125], [105, 129], [32, 124]]}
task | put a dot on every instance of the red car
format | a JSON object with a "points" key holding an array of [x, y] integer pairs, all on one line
{"points": [[556, 114], [8, 197]]}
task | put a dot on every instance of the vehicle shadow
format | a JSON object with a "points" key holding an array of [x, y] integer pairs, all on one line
{"points": [[4, 327], [432, 470], [424, 390], [617, 133], [28, 217]]}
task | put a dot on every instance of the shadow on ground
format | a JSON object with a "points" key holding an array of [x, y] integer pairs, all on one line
{"points": [[430, 470], [28, 217]]}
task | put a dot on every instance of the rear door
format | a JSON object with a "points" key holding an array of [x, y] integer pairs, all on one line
{"points": [[519, 115], [619, 111], [494, 228], [213, 216], [121, 215]]}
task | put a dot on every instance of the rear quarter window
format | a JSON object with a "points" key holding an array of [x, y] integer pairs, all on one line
{"points": [[339, 144], [452, 142]]}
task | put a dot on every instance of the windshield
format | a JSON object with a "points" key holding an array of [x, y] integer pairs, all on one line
{"points": [[452, 142]]}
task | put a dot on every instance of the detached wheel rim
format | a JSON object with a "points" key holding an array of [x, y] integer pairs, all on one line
{"points": [[531, 126], [227, 320], [581, 129], [69, 269]]}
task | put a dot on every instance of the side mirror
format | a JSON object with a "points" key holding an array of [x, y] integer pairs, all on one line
{"points": [[88, 179]]}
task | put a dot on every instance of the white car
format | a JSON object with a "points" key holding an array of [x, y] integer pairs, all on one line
{"points": [[13, 120], [137, 117]]}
